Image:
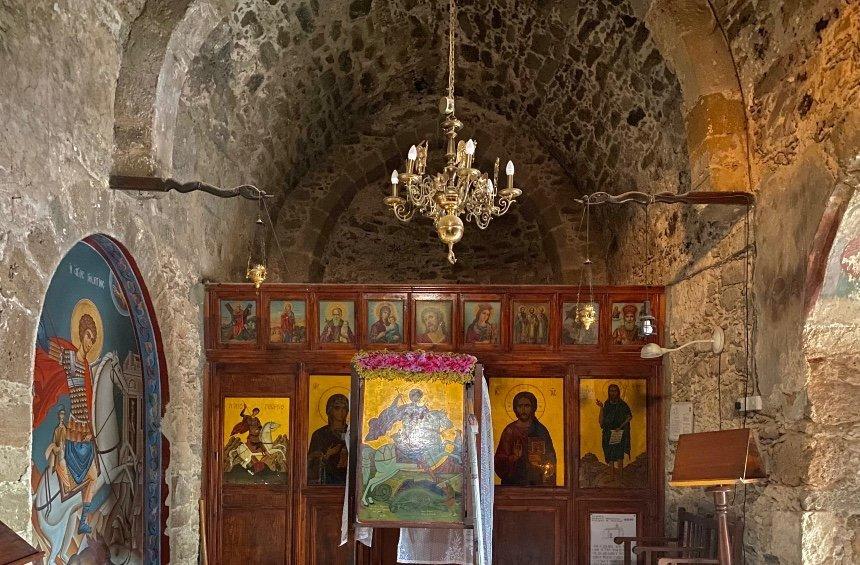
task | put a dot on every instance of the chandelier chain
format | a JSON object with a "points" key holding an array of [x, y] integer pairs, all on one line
{"points": [[452, 22]]}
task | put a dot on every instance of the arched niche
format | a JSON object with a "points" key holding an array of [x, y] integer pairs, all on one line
{"points": [[99, 391], [831, 348]]}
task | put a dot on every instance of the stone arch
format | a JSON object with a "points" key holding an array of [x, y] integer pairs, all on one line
{"points": [[692, 41], [830, 343], [113, 287], [310, 210], [162, 41]]}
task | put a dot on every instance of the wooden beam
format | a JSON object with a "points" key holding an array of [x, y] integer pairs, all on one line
{"points": [[158, 184], [736, 198]]}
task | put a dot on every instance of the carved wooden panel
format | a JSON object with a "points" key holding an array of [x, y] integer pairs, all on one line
{"points": [[528, 534], [254, 535], [322, 543]]}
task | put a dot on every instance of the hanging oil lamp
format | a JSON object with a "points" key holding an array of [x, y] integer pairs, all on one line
{"points": [[647, 323], [586, 315], [256, 271]]}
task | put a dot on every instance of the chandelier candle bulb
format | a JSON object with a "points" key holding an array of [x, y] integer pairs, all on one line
{"points": [[509, 170], [394, 180], [410, 160]]}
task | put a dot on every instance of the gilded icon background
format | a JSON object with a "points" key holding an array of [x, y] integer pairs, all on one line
{"points": [[412, 455], [238, 321], [625, 318], [256, 440], [530, 322], [288, 321], [529, 439], [573, 332], [612, 433], [337, 321], [481, 322], [433, 321], [385, 321], [328, 416]]}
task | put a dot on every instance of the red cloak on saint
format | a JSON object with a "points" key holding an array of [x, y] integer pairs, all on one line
{"points": [[50, 380]]}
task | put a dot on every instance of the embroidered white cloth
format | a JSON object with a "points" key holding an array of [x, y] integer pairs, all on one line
{"points": [[363, 534]]}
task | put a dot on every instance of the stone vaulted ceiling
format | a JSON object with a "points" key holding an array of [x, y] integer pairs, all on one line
{"points": [[289, 85], [583, 78]]}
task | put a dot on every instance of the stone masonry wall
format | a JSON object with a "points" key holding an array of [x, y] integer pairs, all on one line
{"points": [[799, 66], [60, 64]]}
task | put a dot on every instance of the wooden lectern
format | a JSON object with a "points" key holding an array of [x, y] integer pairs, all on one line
{"points": [[718, 460], [14, 550]]}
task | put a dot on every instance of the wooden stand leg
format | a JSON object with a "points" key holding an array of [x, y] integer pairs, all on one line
{"points": [[721, 515]]}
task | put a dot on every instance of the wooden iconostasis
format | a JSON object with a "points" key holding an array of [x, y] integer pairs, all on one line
{"points": [[589, 467]]}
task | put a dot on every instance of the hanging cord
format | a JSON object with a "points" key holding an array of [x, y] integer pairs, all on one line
{"points": [[750, 367], [588, 263], [275, 236], [648, 270], [720, 389], [582, 272], [749, 360], [452, 23]]}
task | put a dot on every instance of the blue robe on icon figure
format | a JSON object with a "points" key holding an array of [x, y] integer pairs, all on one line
{"points": [[420, 439]]}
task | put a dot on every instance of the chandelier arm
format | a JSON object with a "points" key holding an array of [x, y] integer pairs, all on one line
{"points": [[403, 212], [505, 205]]}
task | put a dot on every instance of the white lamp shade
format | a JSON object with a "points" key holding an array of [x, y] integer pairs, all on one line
{"points": [[652, 351]]}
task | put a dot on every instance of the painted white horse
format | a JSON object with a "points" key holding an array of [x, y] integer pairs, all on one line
{"points": [[57, 518], [276, 453], [384, 460]]}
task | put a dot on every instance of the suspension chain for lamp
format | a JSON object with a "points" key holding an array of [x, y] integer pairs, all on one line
{"points": [[452, 22], [586, 315]]}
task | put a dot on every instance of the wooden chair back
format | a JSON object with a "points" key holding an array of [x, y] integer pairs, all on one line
{"points": [[698, 532]]}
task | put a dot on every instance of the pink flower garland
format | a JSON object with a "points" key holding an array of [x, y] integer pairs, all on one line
{"points": [[415, 365]]}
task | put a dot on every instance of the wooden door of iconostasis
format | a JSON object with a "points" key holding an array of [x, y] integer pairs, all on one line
{"points": [[577, 415]]}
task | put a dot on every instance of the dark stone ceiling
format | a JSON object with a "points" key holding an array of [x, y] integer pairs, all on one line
{"points": [[292, 79]]}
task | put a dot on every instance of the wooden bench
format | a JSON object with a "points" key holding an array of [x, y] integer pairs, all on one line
{"points": [[14, 550], [696, 543]]}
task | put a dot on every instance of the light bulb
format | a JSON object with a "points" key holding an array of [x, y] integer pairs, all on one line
{"points": [[647, 328], [470, 147], [490, 186], [395, 178], [509, 168], [413, 153]]}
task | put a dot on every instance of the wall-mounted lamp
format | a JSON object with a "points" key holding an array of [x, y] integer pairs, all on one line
{"points": [[717, 341]]}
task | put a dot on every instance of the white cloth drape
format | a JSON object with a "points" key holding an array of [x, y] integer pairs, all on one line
{"points": [[436, 546]]}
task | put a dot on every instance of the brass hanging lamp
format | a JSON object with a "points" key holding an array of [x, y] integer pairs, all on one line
{"points": [[459, 188]]}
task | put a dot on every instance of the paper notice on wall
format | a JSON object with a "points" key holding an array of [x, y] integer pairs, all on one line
{"points": [[680, 419], [604, 529]]}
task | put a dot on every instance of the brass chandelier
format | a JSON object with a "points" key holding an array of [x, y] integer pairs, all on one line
{"points": [[459, 188]]}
